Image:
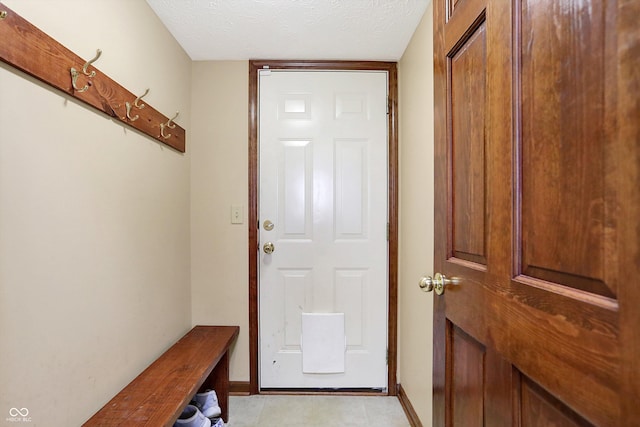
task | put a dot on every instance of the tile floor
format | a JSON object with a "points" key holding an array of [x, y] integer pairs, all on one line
{"points": [[313, 411]]}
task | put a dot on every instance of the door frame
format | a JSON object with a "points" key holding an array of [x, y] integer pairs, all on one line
{"points": [[392, 144]]}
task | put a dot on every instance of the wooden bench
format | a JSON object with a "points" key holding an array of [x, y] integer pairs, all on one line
{"points": [[156, 397]]}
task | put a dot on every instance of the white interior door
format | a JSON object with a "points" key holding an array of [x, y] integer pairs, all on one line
{"points": [[323, 187]]}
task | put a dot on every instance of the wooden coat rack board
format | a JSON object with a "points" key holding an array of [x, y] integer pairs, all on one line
{"points": [[30, 50]]}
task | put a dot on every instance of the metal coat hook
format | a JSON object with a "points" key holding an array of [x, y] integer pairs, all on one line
{"points": [[141, 106], [91, 61], [138, 106], [74, 79], [75, 73], [168, 125]]}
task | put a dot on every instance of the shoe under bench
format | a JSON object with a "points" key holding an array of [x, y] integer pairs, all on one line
{"points": [[199, 361]]}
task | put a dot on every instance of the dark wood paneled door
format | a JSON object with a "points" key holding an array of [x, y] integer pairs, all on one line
{"points": [[537, 213]]}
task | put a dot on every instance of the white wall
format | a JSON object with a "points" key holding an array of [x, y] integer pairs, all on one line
{"points": [[219, 179], [94, 218], [415, 77]]}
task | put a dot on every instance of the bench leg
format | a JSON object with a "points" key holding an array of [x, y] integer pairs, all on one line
{"points": [[218, 380]]}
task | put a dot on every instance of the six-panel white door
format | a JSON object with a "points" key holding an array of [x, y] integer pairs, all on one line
{"points": [[323, 186]]}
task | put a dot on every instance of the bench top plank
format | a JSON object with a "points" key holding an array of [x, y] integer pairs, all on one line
{"points": [[157, 396]]}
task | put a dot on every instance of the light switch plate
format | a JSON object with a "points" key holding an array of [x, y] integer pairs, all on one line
{"points": [[237, 214]]}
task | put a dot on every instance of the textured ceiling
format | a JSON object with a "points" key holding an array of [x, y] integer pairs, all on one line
{"points": [[291, 29]]}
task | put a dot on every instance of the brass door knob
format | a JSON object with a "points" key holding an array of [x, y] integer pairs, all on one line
{"points": [[437, 283], [268, 248]]}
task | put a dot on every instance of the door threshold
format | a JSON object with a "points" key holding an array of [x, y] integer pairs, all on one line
{"points": [[325, 391]]}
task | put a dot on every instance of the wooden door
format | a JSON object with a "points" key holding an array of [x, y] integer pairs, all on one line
{"points": [[537, 212], [323, 206]]}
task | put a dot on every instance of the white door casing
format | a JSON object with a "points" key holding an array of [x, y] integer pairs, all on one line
{"points": [[323, 184]]}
